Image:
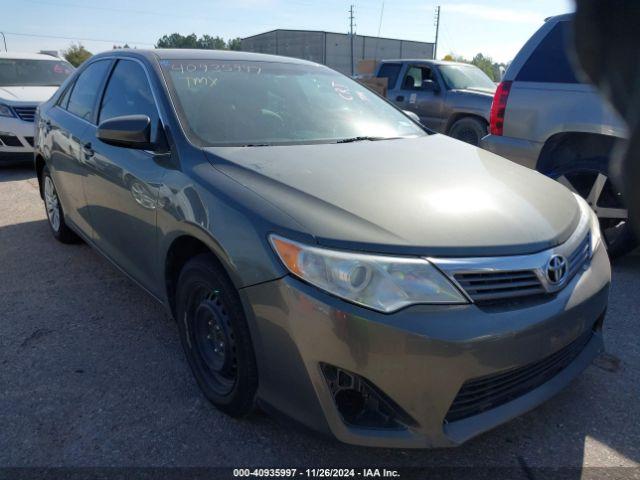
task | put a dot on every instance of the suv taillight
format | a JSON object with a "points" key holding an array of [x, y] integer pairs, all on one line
{"points": [[498, 108]]}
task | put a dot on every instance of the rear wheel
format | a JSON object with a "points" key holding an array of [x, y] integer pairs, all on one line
{"points": [[469, 130], [55, 214], [590, 180], [215, 336]]}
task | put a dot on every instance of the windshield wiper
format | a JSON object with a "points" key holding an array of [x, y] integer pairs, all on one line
{"points": [[362, 139]]}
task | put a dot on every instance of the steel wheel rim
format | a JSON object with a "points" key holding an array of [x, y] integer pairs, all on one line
{"points": [[52, 204], [211, 327], [599, 192]]}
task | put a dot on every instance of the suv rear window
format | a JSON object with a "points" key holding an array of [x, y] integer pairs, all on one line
{"points": [[549, 61]]}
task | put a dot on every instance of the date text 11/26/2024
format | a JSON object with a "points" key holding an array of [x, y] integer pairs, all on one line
{"points": [[316, 472]]}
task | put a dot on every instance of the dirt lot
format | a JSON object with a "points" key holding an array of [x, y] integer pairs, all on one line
{"points": [[92, 374]]}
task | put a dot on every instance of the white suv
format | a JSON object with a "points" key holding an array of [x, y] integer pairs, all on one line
{"points": [[26, 80]]}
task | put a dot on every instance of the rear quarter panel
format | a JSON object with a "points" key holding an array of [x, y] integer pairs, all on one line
{"points": [[536, 111]]}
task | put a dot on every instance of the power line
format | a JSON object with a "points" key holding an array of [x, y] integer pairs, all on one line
{"points": [[154, 12], [381, 15], [76, 38]]}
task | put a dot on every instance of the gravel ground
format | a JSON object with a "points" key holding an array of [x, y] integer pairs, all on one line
{"points": [[92, 374]]}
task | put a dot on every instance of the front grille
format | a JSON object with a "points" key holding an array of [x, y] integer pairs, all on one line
{"points": [[11, 140], [490, 286], [26, 114], [579, 257], [485, 393]]}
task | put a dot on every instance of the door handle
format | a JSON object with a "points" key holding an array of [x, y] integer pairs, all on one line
{"points": [[400, 98], [87, 149]]}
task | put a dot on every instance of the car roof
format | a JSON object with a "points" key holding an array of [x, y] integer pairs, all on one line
{"points": [[423, 60], [195, 54], [559, 18], [28, 56]]}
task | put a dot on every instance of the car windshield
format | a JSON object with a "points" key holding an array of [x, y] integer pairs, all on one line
{"points": [[232, 103], [466, 77], [17, 72]]}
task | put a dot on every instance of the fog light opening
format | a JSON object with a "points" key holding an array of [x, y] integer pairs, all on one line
{"points": [[351, 403], [361, 403]]}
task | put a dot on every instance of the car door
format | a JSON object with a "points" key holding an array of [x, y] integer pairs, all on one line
{"points": [[65, 127], [122, 187], [421, 92]]}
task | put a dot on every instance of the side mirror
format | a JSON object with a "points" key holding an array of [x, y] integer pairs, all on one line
{"points": [[430, 86], [129, 131], [412, 115]]}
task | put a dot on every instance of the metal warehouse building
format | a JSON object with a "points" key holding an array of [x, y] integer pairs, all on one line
{"points": [[334, 49]]}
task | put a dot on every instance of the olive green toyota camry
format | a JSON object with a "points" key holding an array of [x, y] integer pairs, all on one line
{"points": [[324, 255]]}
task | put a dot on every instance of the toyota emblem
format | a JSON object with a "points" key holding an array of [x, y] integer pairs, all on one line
{"points": [[557, 269]]}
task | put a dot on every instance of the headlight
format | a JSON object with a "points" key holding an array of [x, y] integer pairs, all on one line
{"points": [[594, 223], [379, 282], [5, 111]]}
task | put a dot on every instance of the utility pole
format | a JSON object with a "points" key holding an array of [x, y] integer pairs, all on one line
{"points": [[4, 39], [351, 25], [436, 21]]}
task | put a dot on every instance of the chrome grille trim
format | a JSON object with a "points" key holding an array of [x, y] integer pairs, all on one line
{"points": [[26, 114], [491, 286], [495, 279]]}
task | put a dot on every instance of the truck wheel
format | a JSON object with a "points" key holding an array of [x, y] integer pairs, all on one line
{"points": [[215, 336], [469, 130], [55, 214], [589, 178]]}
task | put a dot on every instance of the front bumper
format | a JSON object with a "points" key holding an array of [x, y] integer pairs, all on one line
{"points": [[519, 150], [16, 140], [419, 357]]}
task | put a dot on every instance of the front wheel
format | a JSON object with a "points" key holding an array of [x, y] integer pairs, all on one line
{"points": [[590, 180], [468, 130], [215, 336]]}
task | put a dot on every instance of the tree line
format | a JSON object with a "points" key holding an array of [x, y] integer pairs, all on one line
{"points": [[76, 54], [484, 63]]}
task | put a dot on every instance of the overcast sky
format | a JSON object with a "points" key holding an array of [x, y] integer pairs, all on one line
{"points": [[497, 28]]}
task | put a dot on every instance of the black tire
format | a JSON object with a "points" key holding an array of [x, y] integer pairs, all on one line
{"points": [[54, 211], [581, 176], [215, 336], [469, 130]]}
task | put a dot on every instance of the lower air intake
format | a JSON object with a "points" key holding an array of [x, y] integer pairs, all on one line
{"points": [[485, 393]]}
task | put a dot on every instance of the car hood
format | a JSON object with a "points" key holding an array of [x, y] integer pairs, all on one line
{"points": [[428, 196], [27, 94]]}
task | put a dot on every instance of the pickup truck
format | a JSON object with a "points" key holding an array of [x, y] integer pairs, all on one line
{"points": [[448, 97]]}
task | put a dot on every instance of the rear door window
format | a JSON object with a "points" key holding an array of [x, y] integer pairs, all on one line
{"points": [[63, 101], [390, 71], [549, 62], [84, 96]]}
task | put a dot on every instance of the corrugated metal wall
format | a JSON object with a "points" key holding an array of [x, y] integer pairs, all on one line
{"points": [[334, 49], [338, 48]]}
